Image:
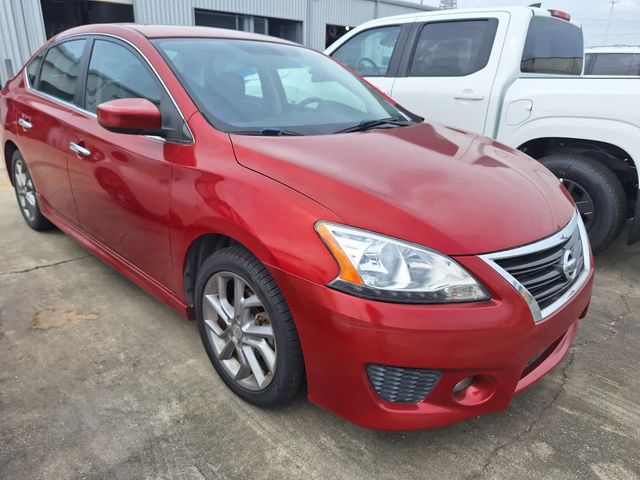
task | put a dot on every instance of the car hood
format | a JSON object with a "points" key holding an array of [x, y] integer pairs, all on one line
{"points": [[442, 188]]}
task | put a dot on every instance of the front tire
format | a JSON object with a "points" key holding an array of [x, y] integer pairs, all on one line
{"points": [[597, 192], [247, 329], [26, 194]]}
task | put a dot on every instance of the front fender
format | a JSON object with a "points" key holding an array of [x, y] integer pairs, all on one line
{"points": [[214, 194], [619, 133]]}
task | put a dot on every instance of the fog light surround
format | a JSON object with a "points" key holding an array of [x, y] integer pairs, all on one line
{"points": [[475, 390]]}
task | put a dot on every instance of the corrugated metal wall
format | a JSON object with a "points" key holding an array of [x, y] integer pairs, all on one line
{"points": [[389, 9], [315, 14], [21, 34]]}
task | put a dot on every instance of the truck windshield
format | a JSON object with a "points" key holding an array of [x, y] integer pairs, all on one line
{"points": [[256, 87]]}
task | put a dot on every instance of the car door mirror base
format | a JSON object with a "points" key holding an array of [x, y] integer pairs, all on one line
{"points": [[133, 116]]}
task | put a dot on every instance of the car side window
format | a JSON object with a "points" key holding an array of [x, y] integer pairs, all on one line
{"points": [[60, 70], [34, 68], [115, 72], [368, 53], [453, 49]]}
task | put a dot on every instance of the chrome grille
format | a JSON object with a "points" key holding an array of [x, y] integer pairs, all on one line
{"points": [[542, 273], [549, 272]]}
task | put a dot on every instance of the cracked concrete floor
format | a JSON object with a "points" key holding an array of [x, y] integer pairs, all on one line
{"points": [[99, 380]]}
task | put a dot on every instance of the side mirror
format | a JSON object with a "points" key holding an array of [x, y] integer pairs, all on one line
{"points": [[134, 116]]}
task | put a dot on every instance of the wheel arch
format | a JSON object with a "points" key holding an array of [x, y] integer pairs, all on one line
{"points": [[8, 151], [617, 159], [201, 248]]}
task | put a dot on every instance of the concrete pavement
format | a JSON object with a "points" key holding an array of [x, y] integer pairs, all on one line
{"points": [[100, 380]]}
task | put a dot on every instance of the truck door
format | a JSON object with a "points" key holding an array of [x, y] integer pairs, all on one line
{"points": [[375, 54], [448, 68]]}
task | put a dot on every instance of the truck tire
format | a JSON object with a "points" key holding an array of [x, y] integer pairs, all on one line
{"points": [[598, 193]]}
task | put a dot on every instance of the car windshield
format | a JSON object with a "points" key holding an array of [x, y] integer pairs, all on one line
{"points": [[258, 87]]}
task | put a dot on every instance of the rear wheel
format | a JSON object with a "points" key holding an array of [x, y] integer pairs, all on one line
{"points": [[247, 328], [26, 194], [597, 192]]}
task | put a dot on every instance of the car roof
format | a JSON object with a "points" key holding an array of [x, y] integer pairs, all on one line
{"points": [[166, 31], [614, 49]]}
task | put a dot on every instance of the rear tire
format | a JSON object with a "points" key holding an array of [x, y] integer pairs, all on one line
{"points": [[247, 329], [590, 181], [26, 194]]}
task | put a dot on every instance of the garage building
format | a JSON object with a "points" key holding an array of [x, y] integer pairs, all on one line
{"points": [[26, 24]]}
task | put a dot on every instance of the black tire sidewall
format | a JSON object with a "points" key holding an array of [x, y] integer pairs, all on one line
{"points": [[282, 388], [604, 188]]}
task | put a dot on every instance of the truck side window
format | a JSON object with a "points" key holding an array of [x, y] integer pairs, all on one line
{"points": [[453, 49], [627, 64], [552, 46], [368, 53]]}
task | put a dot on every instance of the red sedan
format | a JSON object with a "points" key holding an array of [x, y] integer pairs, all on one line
{"points": [[411, 274]]}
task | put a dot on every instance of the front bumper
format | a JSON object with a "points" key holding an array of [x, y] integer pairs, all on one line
{"points": [[493, 341]]}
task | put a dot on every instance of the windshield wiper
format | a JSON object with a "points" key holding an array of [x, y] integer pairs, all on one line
{"points": [[369, 124], [267, 132], [277, 132]]}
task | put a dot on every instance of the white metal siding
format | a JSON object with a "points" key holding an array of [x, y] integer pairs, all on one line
{"points": [[21, 34], [314, 14], [388, 10]]}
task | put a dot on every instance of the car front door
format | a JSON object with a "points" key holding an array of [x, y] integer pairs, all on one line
{"points": [[45, 111], [121, 182], [448, 68]]}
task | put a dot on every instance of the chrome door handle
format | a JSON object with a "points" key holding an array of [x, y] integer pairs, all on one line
{"points": [[25, 124], [75, 148]]}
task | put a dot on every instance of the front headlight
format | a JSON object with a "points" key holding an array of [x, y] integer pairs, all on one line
{"points": [[383, 268]]}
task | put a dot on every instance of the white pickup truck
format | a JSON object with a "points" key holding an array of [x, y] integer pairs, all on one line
{"points": [[514, 74]]}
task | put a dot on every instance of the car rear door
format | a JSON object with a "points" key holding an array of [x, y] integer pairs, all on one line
{"points": [[448, 68], [375, 53], [45, 109], [122, 182]]}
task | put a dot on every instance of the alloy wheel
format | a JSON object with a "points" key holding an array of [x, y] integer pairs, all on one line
{"points": [[582, 200], [239, 330], [25, 189]]}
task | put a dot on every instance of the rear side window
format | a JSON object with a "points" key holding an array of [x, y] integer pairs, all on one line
{"points": [[60, 70], [34, 68], [553, 46], [453, 49], [116, 72], [369, 52], [627, 64]]}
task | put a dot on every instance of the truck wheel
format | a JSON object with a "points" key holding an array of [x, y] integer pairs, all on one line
{"points": [[598, 193]]}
